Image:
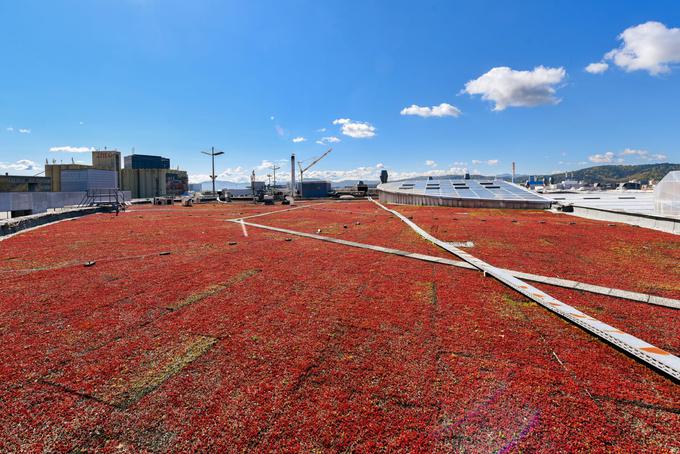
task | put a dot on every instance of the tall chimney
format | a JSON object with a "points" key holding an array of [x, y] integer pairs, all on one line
{"points": [[513, 171], [292, 175]]}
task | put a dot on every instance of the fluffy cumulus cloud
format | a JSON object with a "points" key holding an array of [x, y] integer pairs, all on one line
{"points": [[21, 166], [650, 47], [442, 110], [602, 158], [627, 154], [299, 139], [70, 149], [430, 163], [242, 175], [234, 174], [430, 173], [355, 129], [489, 162], [597, 68], [268, 165], [644, 155], [24, 131], [506, 87], [328, 140]]}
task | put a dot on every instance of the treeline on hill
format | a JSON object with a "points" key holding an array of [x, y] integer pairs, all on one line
{"points": [[619, 173], [599, 174]]}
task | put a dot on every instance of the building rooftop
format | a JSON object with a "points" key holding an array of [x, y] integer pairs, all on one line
{"points": [[631, 201], [186, 334], [488, 193]]}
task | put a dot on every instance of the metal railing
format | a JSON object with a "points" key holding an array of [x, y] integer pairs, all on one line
{"points": [[103, 197]]}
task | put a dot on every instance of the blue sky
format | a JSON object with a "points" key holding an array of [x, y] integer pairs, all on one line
{"points": [[509, 80]]}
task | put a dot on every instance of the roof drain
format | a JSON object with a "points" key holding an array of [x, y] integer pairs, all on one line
{"points": [[660, 360]]}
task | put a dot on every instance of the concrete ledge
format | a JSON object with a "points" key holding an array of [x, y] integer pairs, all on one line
{"points": [[12, 226], [664, 224]]}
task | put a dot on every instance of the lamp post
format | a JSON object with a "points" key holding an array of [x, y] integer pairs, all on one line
{"points": [[213, 154]]}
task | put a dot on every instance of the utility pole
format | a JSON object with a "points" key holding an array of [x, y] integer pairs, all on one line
{"points": [[213, 154], [275, 168], [252, 185]]}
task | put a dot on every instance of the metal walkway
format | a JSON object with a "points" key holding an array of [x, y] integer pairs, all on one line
{"points": [[655, 357], [558, 282]]}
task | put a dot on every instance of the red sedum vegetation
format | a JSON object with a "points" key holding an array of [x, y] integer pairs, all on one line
{"points": [[273, 345]]}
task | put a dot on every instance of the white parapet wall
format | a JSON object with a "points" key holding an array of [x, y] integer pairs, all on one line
{"points": [[41, 202], [664, 224]]}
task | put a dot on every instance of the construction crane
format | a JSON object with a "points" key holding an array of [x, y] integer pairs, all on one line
{"points": [[302, 171]]}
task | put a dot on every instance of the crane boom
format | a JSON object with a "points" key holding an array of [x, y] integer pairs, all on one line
{"points": [[302, 171], [317, 160]]}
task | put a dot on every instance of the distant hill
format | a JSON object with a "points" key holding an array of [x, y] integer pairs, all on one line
{"points": [[347, 183], [599, 174], [619, 173], [219, 184]]}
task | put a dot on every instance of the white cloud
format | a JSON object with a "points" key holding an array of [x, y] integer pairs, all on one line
{"points": [[597, 68], [650, 47], [279, 130], [321, 130], [10, 129], [442, 110], [489, 162], [272, 117], [509, 88], [235, 174], [69, 149], [299, 139], [430, 163], [602, 158], [643, 154], [355, 129], [629, 151], [327, 140], [242, 175], [266, 164], [20, 166], [81, 123], [24, 130]]}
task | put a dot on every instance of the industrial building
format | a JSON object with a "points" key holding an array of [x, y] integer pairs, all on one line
{"points": [[148, 183], [53, 172], [313, 188], [143, 161], [147, 176], [21, 183], [88, 179], [108, 160], [461, 193]]}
